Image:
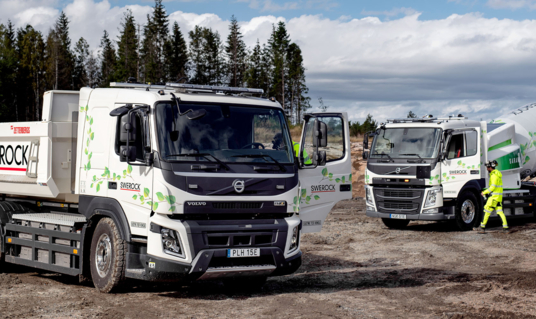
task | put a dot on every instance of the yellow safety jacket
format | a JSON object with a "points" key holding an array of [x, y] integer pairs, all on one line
{"points": [[306, 158], [495, 186]]}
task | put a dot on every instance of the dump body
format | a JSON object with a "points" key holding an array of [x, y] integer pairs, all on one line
{"points": [[36, 158]]}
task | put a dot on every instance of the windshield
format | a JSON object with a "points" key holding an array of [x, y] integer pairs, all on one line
{"points": [[406, 142], [226, 133]]}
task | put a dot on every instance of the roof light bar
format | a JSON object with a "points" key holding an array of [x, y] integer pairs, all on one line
{"points": [[188, 87]]}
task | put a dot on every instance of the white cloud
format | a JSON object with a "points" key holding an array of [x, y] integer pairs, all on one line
{"points": [[461, 64], [391, 13], [512, 4]]}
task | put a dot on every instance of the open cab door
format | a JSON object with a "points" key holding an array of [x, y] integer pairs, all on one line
{"points": [[325, 167]]}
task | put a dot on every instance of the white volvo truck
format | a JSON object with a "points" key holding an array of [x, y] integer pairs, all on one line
{"points": [[166, 182], [433, 168]]}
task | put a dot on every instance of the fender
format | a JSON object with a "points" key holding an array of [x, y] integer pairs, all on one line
{"points": [[90, 206], [475, 185]]}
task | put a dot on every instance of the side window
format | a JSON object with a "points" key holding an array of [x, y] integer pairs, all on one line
{"points": [[335, 148], [462, 144]]}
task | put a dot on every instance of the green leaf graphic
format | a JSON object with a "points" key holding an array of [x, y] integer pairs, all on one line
{"points": [[172, 200], [331, 175], [86, 108], [295, 200], [92, 136], [98, 187], [155, 206], [317, 197], [91, 185], [135, 197], [90, 156], [444, 174], [129, 169], [150, 203], [125, 172], [85, 151], [337, 180], [325, 172], [172, 209], [343, 179], [308, 198], [350, 178], [160, 196], [146, 192], [303, 193], [91, 121], [459, 162], [88, 165]]}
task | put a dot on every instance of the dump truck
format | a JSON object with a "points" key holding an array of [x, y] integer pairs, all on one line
{"points": [[433, 168], [167, 182]]}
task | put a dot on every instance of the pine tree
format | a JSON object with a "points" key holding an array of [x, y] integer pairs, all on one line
{"points": [[127, 48], [31, 84], [411, 115], [93, 71], [297, 88], [197, 60], [60, 64], [278, 46], [176, 55], [213, 57], [257, 73], [236, 55], [108, 60], [8, 73], [81, 51], [155, 34]]}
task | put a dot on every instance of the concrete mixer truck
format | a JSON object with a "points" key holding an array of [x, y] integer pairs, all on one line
{"points": [[167, 182], [433, 168]]}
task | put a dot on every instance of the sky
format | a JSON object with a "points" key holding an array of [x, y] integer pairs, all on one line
{"points": [[383, 57]]}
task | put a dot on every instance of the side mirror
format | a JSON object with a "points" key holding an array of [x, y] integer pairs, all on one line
{"points": [[365, 142], [128, 129], [365, 154], [149, 159], [127, 154], [320, 158], [321, 134]]}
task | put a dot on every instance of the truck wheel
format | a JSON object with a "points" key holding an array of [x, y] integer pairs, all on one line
{"points": [[107, 256], [395, 223], [467, 211]]}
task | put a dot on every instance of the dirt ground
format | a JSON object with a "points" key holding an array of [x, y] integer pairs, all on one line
{"points": [[354, 268]]}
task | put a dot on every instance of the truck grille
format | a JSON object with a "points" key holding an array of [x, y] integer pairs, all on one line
{"points": [[237, 205], [400, 201]]}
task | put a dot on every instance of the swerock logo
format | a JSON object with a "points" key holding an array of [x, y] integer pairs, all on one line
{"points": [[13, 154], [458, 172], [130, 187], [322, 188], [197, 203]]}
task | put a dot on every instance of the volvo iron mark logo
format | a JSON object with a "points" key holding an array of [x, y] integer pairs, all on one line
{"points": [[239, 186], [397, 170]]}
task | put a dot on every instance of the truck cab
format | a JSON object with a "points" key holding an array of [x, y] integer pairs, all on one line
{"points": [[199, 182], [433, 169]]}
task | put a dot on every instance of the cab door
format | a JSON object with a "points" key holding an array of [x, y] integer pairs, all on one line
{"points": [[322, 185]]}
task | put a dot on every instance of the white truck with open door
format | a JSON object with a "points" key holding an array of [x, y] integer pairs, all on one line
{"points": [[167, 182]]}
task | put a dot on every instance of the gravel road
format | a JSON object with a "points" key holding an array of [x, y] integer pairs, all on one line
{"points": [[354, 268]]}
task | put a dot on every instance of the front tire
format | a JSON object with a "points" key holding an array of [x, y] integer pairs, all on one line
{"points": [[107, 256], [395, 223], [468, 213]]}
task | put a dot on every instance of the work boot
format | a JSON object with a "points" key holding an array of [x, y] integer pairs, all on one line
{"points": [[506, 230], [480, 230]]}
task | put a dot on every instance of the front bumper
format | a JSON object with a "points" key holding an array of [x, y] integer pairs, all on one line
{"points": [[211, 264], [444, 214]]}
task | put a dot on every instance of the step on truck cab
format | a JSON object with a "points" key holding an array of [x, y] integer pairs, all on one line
{"points": [[167, 182], [433, 168]]}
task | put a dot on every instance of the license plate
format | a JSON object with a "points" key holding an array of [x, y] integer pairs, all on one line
{"points": [[398, 216], [243, 252]]}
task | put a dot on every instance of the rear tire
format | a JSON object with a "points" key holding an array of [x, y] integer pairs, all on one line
{"points": [[468, 212], [395, 223], [107, 256], [7, 209]]}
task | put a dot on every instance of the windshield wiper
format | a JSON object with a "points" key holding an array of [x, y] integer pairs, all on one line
{"points": [[201, 155], [263, 156], [420, 158], [382, 154]]}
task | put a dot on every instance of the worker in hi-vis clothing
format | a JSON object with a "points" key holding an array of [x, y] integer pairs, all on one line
{"points": [[306, 159], [494, 201]]}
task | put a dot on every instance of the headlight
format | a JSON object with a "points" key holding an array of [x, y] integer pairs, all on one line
{"points": [[294, 240], [432, 197], [368, 192], [171, 242]]}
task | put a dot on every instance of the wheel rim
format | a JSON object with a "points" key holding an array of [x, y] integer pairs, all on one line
{"points": [[468, 211], [103, 255]]}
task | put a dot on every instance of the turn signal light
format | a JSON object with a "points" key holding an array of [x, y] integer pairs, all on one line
{"points": [[406, 180]]}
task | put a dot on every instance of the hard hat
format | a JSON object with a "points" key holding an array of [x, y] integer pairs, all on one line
{"points": [[492, 164]]}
